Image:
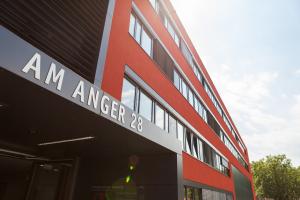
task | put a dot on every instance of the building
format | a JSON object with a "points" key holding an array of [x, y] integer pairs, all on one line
{"points": [[108, 99]]}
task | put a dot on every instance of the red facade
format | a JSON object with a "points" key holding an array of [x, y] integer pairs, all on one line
{"points": [[124, 50], [70, 125]]}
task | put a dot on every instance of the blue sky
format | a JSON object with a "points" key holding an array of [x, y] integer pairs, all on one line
{"points": [[251, 49]]}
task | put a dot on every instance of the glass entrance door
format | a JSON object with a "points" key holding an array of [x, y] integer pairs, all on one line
{"points": [[30, 179], [50, 181]]}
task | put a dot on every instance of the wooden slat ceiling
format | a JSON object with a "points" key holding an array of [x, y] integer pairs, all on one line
{"points": [[68, 31]]}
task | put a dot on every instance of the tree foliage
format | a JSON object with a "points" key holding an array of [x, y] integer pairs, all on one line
{"points": [[276, 178]]}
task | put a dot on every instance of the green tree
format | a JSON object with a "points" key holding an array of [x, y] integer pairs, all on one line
{"points": [[276, 178]]}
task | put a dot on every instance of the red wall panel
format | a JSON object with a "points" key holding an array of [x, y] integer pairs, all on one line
{"points": [[123, 50]]}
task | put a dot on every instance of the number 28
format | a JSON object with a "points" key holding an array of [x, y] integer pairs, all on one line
{"points": [[137, 122]]}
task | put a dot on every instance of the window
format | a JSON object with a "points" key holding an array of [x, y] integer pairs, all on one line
{"points": [[204, 115], [225, 163], [176, 38], [186, 53], [138, 30], [176, 80], [207, 154], [172, 125], [188, 193], [163, 60], [217, 161], [188, 142], [197, 194], [154, 4], [231, 148], [202, 112], [226, 122], [196, 103], [197, 73], [128, 94], [159, 116], [132, 24], [192, 193], [146, 42], [235, 135], [219, 109], [195, 147], [200, 146], [135, 28], [184, 89], [140, 34], [225, 167], [229, 197], [191, 97], [221, 135], [166, 121], [171, 30], [180, 133], [200, 109], [145, 106]]}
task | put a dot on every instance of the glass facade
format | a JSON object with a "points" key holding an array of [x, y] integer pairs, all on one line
{"points": [[146, 42], [180, 83], [192, 193], [176, 80], [195, 147], [145, 106], [188, 143], [172, 125], [154, 112], [191, 97], [159, 116], [140, 34], [184, 89], [180, 133], [128, 94]]}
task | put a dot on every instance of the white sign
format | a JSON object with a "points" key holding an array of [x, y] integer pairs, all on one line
{"points": [[90, 97]]}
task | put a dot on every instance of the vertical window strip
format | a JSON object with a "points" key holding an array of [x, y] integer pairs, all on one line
{"points": [[199, 149], [188, 55], [154, 112], [142, 36], [178, 81], [155, 5], [187, 93]]}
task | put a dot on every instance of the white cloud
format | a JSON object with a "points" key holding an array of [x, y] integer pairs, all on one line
{"points": [[261, 98], [264, 130], [225, 67]]}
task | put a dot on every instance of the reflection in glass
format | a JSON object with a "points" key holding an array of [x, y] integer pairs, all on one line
{"points": [[138, 30], [159, 116], [188, 143], [180, 133], [176, 80], [195, 147], [191, 97], [184, 89], [131, 25], [166, 121], [172, 125], [146, 42], [145, 106], [128, 94]]}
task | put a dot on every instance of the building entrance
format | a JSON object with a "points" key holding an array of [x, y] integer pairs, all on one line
{"points": [[50, 180], [52, 149], [26, 178]]}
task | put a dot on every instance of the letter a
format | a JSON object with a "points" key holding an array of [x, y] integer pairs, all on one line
{"points": [[36, 59], [79, 91]]}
